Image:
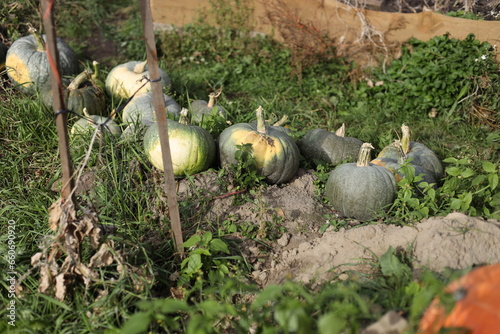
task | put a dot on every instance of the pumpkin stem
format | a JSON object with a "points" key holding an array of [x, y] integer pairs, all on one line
{"points": [[183, 119], [341, 131], [281, 121], [212, 96], [261, 123], [364, 156], [401, 157], [211, 100], [140, 67], [38, 38], [95, 76], [79, 79], [405, 140]]}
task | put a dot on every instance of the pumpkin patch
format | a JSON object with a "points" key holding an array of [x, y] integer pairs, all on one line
{"points": [[255, 225]]}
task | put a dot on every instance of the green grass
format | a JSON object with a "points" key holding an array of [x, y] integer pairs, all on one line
{"points": [[129, 200]]}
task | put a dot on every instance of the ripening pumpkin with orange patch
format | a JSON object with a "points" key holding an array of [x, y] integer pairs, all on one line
{"points": [[476, 309]]}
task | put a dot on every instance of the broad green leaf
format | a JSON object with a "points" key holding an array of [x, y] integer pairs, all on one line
{"points": [[193, 240], [467, 173], [390, 264], [270, 293], [217, 245], [292, 317], [493, 181], [170, 305], [192, 264], [478, 180], [489, 167], [330, 323], [466, 200], [138, 323], [453, 171], [455, 204]]}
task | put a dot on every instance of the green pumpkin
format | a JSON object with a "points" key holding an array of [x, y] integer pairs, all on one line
{"points": [[192, 148], [86, 126], [126, 79], [276, 154], [420, 154], [202, 110], [360, 189], [333, 148], [394, 166], [140, 109], [80, 93], [3, 54], [28, 66]]}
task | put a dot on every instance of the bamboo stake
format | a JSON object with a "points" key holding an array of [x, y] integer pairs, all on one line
{"points": [[161, 119], [58, 101]]}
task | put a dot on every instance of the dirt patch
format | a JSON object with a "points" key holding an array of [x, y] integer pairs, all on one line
{"points": [[304, 254]]}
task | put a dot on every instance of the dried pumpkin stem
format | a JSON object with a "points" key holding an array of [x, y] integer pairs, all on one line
{"points": [[80, 79], [183, 119], [341, 131], [261, 123], [140, 67], [401, 157], [405, 140], [211, 100], [95, 78], [38, 38], [364, 156], [281, 121]]}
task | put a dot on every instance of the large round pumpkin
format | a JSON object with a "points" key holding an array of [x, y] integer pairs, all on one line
{"points": [[140, 109], [420, 154], [126, 79], [395, 166], [28, 66], [78, 94], [360, 190], [476, 308], [276, 154], [89, 123], [202, 110], [320, 145], [192, 148]]}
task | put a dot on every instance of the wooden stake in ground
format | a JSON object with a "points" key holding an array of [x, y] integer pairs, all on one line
{"points": [[59, 106], [161, 119]]}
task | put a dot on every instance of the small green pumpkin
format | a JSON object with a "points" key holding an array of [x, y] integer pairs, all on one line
{"points": [[420, 154], [140, 109], [28, 66], [329, 147], [360, 189], [88, 124], [192, 148], [78, 94], [276, 154], [3, 55], [202, 110], [127, 79]]}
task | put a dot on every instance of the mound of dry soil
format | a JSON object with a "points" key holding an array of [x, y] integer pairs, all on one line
{"points": [[304, 254]]}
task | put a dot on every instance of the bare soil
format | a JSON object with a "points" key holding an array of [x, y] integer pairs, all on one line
{"points": [[301, 253]]}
